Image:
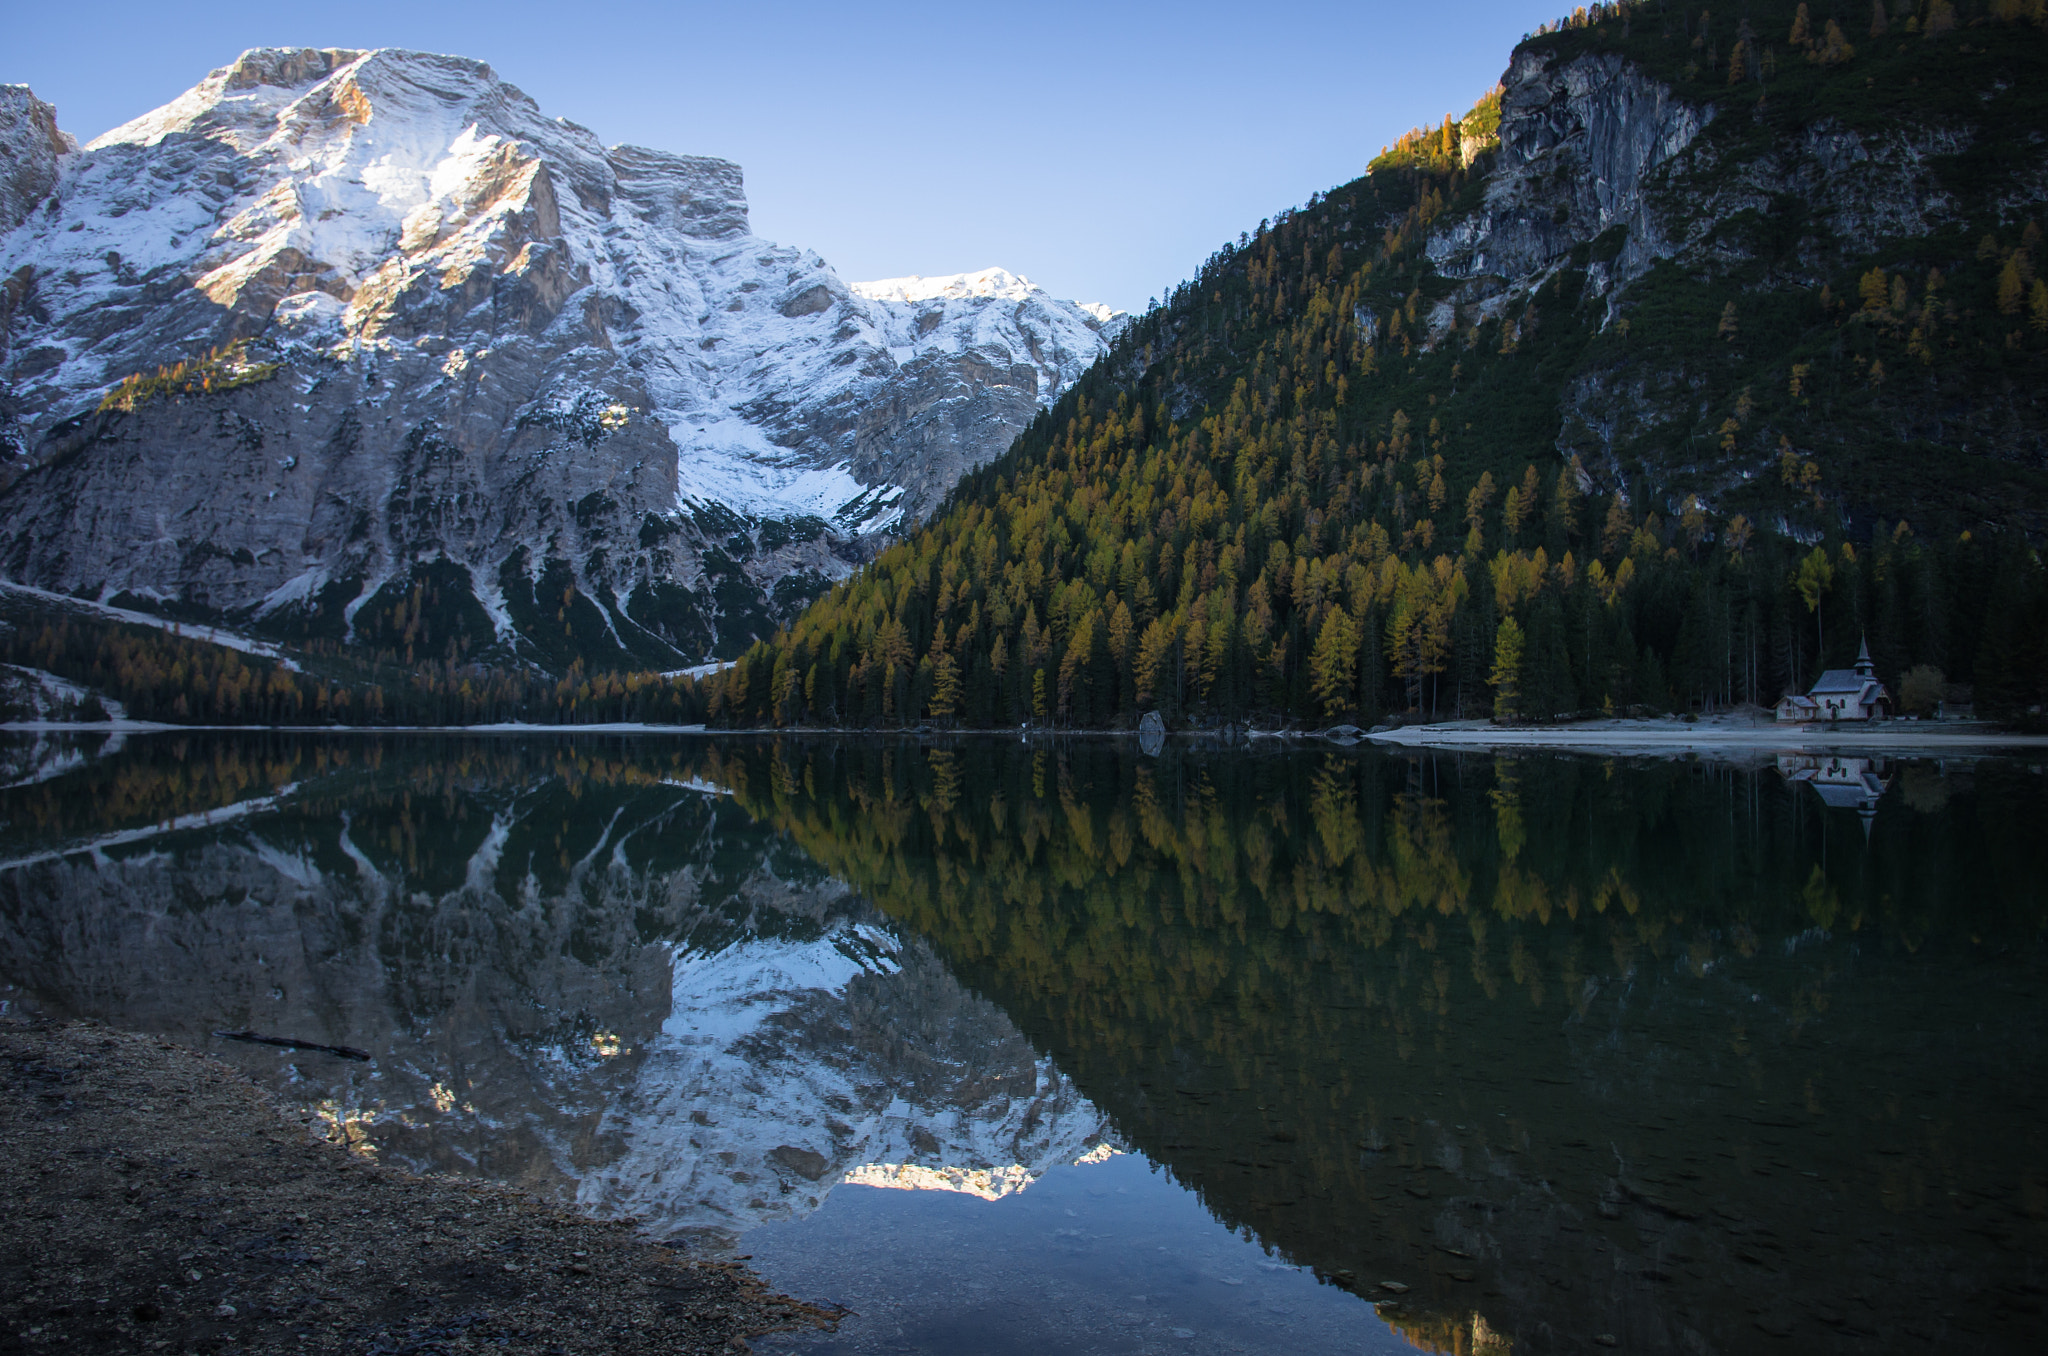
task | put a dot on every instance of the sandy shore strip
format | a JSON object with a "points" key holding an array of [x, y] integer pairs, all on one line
{"points": [[156, 1200], [1732, 733]]}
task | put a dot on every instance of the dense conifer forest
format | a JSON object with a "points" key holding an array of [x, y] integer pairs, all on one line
{"points": [[1316, 484]]}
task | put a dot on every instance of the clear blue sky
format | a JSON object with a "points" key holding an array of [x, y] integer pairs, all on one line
{"points": [[1102, 149]]}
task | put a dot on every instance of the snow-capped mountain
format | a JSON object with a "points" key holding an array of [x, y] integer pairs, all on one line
{"points": [[427, 328]]}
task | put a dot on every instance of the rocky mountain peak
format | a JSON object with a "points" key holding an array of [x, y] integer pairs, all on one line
{"points": [[30, 143], [470, 340], [693, 195], [989, 282]]}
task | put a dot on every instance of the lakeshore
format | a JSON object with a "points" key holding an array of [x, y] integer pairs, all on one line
{"points": [[1735, 733], [161, 1202], [1729, 732]]}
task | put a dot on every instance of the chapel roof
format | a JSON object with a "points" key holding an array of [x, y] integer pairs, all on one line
{"points": [[1841, 680]]}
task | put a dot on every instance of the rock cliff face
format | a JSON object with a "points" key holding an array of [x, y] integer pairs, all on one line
{"points": [[1594, 146], [1578, 145], [432, 337], [1640, 193], [29, 146]]}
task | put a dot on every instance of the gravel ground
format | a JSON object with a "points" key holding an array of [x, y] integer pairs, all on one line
{"points": [[155, 1200]]}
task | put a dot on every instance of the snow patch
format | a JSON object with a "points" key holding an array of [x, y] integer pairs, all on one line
{"points": [[212, 635], [730, 462], [989, 282]]}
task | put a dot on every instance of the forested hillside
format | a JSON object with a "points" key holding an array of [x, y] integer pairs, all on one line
{"points": [[1518, 424], [156, 674]]}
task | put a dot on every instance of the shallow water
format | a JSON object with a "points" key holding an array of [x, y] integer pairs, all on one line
{"points": [[1072, 1049], [1109, 1257]]}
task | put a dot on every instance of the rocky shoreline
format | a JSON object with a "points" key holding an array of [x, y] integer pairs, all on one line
{"points": [[159, 1202]]}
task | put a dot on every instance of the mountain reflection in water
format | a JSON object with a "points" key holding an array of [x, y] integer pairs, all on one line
{"points": [[581, 968], [1699, 1057]]}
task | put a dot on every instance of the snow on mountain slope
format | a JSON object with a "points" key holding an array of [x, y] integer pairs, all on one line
{"points": [[973, 351], [485, 343]]}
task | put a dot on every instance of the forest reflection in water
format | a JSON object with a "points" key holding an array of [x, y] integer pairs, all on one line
{"points": [[1699, 1056]]}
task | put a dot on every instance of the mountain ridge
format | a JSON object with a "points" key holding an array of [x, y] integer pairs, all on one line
{"points": [[480, 352]]}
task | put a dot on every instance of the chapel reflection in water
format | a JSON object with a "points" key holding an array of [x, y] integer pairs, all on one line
{"points": [[1842, 781]]}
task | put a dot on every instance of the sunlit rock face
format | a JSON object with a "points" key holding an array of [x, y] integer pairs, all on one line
{"points": [[474, 335], [1579, 143], [629, 997], [30, 144]]}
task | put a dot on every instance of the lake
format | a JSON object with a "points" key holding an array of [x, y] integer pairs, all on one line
{"points": [[1061, 1047]]}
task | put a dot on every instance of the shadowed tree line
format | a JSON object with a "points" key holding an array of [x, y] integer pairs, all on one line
{"points": [[160, 675]]}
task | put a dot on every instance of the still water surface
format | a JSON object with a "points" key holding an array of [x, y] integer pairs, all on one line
{"points": [[1067, 1049]]}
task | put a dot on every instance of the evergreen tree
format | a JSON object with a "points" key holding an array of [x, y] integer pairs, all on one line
{"points": [[1506, 678], [1333, 666]]}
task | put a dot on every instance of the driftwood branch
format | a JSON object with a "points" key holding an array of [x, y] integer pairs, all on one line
{"points": [[255, 1038]]}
